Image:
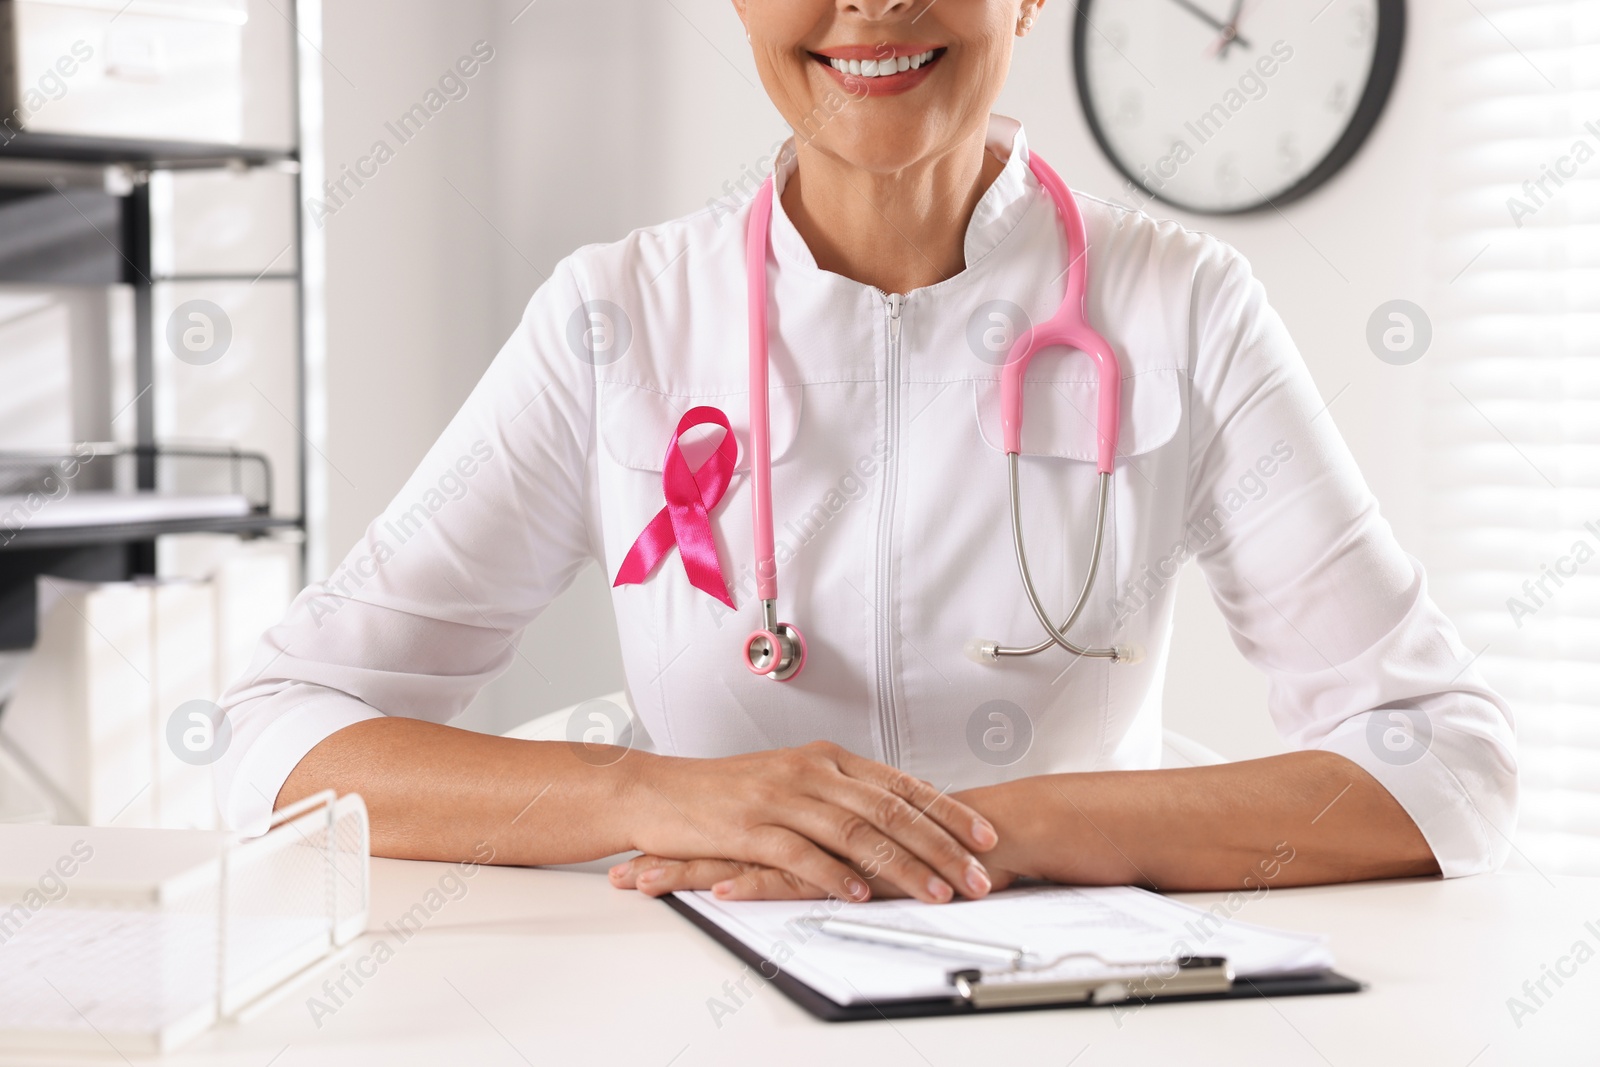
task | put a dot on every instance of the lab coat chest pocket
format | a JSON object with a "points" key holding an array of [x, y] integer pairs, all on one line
{"points": [[1058, 417], [636, 424], [636, 427]]}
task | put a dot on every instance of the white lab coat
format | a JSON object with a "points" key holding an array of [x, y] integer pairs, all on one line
{"points": [[891, 513]]}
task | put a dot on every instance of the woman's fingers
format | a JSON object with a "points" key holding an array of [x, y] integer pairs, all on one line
{"points": [[921, 830], [659, 875], [962, 822], [798, 855], [883, 858], [812, 812], [884, 835], [625, 875], [789, 854], [766, 883], [655, 876]]}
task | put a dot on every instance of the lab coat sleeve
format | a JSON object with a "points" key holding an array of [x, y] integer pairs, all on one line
{"points": [[1318, 594], [428, 605]]}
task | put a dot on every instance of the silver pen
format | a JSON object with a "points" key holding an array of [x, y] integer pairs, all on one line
{"points": [[854, 930]]}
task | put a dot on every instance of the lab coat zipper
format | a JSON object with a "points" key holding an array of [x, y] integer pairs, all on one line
{"points": [[889, 737]]}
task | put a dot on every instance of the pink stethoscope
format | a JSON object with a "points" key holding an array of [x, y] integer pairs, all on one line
{"points": [[778, 650]]}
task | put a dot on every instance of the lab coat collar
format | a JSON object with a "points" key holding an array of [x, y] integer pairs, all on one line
{"points": [[998, 211]]}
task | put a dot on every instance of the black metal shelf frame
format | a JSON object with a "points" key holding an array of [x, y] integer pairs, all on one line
{"points": [[122, 550], [148, 155]]}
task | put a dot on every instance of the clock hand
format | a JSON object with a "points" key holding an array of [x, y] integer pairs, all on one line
{"points": [[1230, 32], [1211, 20], [1201, 14]]}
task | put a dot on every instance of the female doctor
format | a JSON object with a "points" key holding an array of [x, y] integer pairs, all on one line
{"points": [[904, 218]]}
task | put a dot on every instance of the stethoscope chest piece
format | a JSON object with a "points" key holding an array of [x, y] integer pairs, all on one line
{"points": [[779, 652]]}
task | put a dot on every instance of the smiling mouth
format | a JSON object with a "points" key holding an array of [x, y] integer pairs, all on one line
{"points": [[880, 68]]}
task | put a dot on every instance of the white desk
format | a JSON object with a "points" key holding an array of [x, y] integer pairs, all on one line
{"points": [[555, 967]]}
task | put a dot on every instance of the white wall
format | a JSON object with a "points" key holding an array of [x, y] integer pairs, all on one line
{"points": [[597, 116], [413, 312], [431, 262]]}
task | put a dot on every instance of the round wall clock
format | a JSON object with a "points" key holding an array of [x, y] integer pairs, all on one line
{"points": [[1228, 106]]}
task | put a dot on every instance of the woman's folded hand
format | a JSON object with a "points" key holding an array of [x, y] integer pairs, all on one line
{"points": [[657, 876], [814, 820]]}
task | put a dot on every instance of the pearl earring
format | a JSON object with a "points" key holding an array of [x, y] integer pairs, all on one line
{"points": [[1024, 25]]}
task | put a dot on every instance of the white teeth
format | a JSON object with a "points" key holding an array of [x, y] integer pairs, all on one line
{"points": [[878, 68]]}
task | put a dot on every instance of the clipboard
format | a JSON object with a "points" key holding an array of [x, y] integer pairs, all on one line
{"points": [[965, 1003]]}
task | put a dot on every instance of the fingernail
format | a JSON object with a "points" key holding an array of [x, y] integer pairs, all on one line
{"points": [[722, 889], [984, 834], [616, 872], [978, 879], [652, 875], [856, 890], [940, 890]]}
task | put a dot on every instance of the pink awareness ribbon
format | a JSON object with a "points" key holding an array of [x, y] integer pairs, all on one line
{"points": [[684, 520]]}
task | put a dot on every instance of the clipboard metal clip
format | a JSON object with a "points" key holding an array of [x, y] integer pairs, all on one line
{"points": [[1013, 987]]}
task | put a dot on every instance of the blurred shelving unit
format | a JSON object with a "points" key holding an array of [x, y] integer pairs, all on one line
{"points": [[112, 226]]}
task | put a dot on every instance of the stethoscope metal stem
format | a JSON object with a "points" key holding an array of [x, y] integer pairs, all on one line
{"points": [[1057, 634]]}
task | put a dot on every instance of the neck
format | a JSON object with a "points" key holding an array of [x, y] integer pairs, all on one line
{"points": [[899, 230]]}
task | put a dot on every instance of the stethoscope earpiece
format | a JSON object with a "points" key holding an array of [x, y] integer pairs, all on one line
{"points": [[981, 650]]}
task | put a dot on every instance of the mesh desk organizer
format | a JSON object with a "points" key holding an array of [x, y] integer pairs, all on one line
{"points": [[142, 939]]}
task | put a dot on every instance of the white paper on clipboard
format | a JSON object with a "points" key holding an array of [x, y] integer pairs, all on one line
{"points": [[1119, 923]]}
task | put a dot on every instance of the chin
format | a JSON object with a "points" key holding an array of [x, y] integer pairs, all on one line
{"points": [[882, 154]]}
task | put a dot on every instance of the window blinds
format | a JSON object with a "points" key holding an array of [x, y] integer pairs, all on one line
{"points": [[1513, 420]]}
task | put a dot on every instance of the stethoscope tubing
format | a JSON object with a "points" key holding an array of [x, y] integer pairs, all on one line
{"points": [[1056, 634], [778, 649], [760, 421]]}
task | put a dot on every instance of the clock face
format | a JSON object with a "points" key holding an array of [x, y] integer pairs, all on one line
{"points": [[1219, 106]]}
